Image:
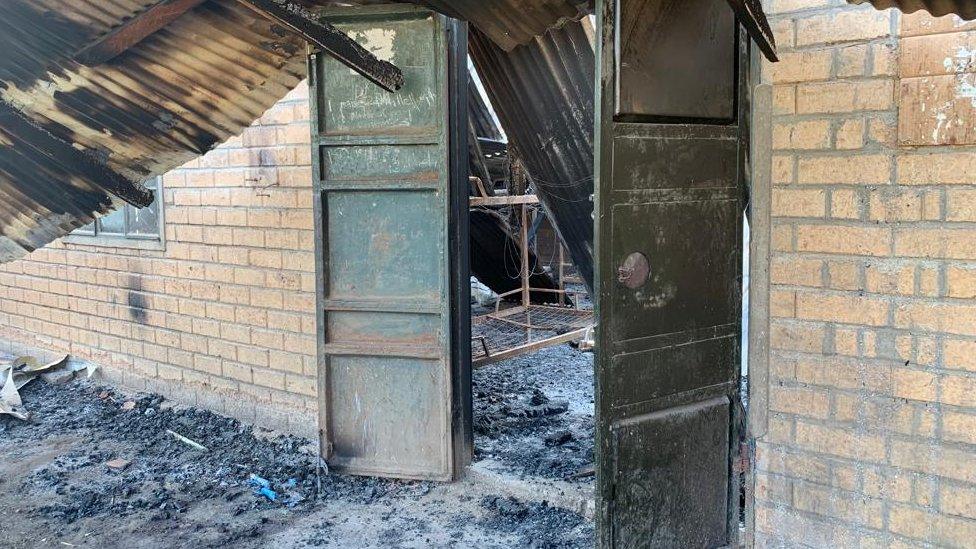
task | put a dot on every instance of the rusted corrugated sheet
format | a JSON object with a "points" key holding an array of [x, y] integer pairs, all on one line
{"points": [[963, 8], [168, 99], [510, 23], [543, 95]]}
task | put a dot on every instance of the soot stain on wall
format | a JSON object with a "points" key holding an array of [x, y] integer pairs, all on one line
{"points": [[136, 300]]}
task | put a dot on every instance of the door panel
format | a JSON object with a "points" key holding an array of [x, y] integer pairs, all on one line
{"points": [[691, 43], [665, 471], [669, 226], [385, 213]]}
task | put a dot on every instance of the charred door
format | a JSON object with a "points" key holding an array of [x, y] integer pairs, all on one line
{"points": [[669, 254], [389, 308]]}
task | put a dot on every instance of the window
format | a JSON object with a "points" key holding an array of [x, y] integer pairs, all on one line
{"points": [[128, 226]]}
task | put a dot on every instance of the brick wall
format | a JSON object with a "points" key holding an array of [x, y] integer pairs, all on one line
{"points": [[871, 438], [224, 317]]}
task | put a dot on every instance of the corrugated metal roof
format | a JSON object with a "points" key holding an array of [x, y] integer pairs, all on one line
{"points": [[168, 99], [510, 23], [965, 9], [543, 94]]}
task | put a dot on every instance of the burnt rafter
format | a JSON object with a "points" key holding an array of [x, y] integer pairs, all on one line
{"points": [[32, 139], [750, 14], [333, 41], [133, 31]]}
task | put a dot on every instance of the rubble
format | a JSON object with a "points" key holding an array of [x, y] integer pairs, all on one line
{"points": [[533, 415], [85, 471]]}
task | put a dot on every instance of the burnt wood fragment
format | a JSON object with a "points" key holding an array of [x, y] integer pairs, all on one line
{"points": [[331, 40]]}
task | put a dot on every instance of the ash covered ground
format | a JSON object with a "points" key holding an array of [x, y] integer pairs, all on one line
{"points": [[533, 414], [56, 489]]}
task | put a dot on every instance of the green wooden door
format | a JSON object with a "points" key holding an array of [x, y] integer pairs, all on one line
{"points": [[669, 158], [384, 216]]}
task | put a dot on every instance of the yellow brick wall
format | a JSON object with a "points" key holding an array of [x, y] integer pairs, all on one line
{"points": [[871, 438], [228, 320]]}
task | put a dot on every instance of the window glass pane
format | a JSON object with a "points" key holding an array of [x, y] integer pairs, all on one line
{"points": [[88, 229], [113, 223], [144, 221]]}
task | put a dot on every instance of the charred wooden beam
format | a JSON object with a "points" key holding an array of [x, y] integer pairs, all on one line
{"points": [[750, 14], [331, 40], [46, 147], [133, 31]]}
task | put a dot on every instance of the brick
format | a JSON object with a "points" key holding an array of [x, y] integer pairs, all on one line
{"points": [[935, 55], [844, 309], [958, 500], [783, 6], [268, 378], [796, 271], [842, 373], [784, 100], [890, 278], [920, 23], [896, 204], [845, 204], [782, 304], [840, 442], [930, 111], [801, 402], [943, 243], [932, 209], [845, 341], [802, 66], [845, 96], [961, 282], [914, 385], [889, 483], [849, 170], [850, 134], [798, 202], [842, 26], [961, 205], [796, 337], [922, 525], [959, 427], [846, 506], [807, 134], [852, 61], [937, 317], [849, 240], [960, 354], [959, 391], [783, 172], [937, 169], [843, 275]]}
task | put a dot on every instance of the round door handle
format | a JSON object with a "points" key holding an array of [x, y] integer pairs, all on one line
{"points": [[634, 271]]}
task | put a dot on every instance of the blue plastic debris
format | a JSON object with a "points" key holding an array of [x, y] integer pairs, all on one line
{"points": [[263, 487], [259, 481]]}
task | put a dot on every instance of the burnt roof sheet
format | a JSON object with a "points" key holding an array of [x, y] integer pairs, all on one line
{"points": [[965, 9], [198, 81], [511, 23]]}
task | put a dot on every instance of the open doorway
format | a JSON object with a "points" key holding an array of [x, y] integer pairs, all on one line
{"points": [[531, 309]]}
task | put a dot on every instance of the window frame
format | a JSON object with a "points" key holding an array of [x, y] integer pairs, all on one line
{"points": [[136, 241]]}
